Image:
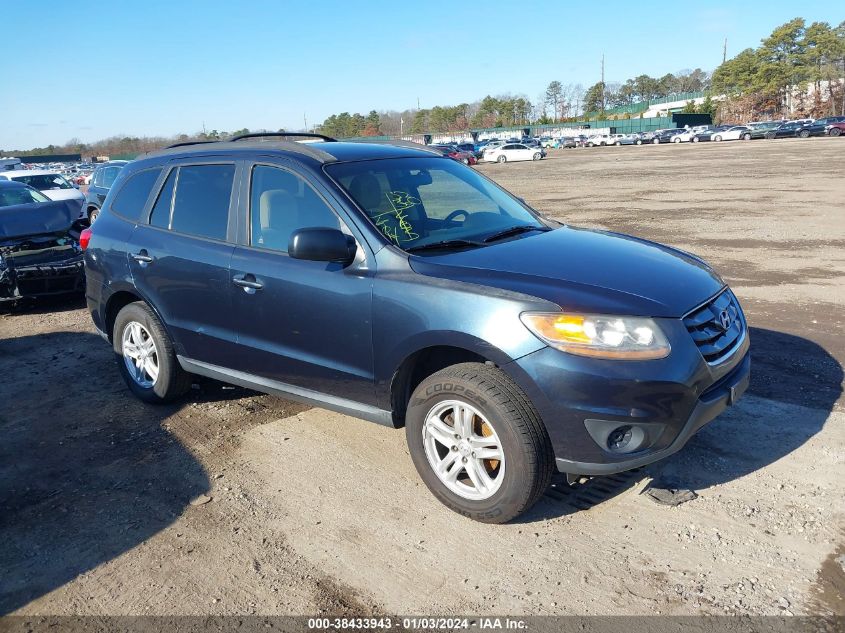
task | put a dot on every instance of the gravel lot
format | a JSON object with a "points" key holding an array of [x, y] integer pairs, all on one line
{"points": [[234, 502]]}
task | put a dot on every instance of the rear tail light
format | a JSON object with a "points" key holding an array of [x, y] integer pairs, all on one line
{"points": [[84, 238]]}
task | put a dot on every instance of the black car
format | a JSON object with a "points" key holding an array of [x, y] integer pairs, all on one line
{"points": [[760, 130], [665, 136], [818, 127], [386, 281], [101, 181], [789, 129], [39, 244]]}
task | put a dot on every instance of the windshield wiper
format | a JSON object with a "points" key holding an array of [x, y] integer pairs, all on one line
{"points": [[443, 245], [514, 230]]}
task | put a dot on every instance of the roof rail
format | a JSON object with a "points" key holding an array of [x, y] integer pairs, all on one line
{"points": [[188, 143], [264, 134], [399, 143]]}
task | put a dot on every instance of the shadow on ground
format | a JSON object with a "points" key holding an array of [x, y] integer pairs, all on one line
{"points": [[84, 475]]}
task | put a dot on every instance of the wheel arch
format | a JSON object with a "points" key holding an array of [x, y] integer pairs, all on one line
{"points": [[421, 363], [119, 300]]}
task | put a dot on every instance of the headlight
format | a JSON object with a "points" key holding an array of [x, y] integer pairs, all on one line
{"points": [[599, 336]]}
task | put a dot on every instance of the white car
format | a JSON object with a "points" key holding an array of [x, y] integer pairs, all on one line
{"points": [[512, 152], [731, 134], [685, 136], [52, 184], [598, 140]]}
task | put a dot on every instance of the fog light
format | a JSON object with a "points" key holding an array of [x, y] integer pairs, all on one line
{"points": [[619, 439]]}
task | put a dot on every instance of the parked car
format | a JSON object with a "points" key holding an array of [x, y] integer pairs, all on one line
{"points": [[341, 267], [628, 139], [685, 136], [565, 142], [732, 133], [759, 130], [452, 151], [665, 136], [786, 130], [597, 140], [513, 152], [818, 127], [39, 244], [101, 181], [835, 129], [51, 183], [707, 134]]}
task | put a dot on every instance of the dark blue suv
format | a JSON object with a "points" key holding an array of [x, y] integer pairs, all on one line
{"points": [[388, 282]]}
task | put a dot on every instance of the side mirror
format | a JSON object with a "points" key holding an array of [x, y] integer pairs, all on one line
{"points": [[322, 245]]}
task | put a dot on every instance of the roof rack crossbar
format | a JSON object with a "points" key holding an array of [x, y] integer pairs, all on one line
{"points": [[265, 134], [188, 143]]}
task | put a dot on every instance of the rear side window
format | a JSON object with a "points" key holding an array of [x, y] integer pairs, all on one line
{"points": [[201, 202], [132, 197], [160, 216], [108, 176]]}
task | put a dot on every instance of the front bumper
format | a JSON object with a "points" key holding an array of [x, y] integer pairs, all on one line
{"points": [[43, 279], [583, 400]]}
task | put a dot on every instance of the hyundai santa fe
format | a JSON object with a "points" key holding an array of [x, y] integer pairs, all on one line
{"points": [[391, 283]]}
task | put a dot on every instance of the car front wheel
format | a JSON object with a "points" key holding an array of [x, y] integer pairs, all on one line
{"points": [[537, 156], [145, 356], [478, 443], [502, 159], [717, 138], [695, 139], [804, 133], [93, 214], [835, 131], [746, 137], [656, 141]]}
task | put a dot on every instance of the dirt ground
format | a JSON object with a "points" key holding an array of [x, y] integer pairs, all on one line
{"points": [[232, 502]]}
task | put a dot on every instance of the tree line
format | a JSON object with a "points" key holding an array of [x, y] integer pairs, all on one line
{"points": [[797, 69]]}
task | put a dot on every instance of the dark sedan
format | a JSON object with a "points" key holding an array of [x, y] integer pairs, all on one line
{"points": [[707, 135], [786, 130]]}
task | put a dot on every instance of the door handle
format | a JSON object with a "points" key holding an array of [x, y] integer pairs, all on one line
{"points": [[248, 283], [142, 258]]}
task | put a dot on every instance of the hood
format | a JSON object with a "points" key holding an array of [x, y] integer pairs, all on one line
{"points": [[37, 218], [583, 270], [64, 194]]}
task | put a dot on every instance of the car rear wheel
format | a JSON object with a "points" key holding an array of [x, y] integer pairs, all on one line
{"points": [[717, 138], [478, 443], [676, 140], [639, 142], [835, 131], [656, 141], [746, 137], [93, 214], [770, 135], [145, 356], [537, 156], [502, 159], [618, 143], [804, 133], [695, 139]]}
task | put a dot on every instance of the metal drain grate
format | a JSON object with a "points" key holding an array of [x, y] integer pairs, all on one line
{"points": [[591, 491]]}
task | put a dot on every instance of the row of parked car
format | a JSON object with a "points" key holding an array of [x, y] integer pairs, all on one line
{"points": [[494, 150], [803, 128]]}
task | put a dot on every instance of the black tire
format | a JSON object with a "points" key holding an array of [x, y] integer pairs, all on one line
{"points": [[525, 442], [804, 133], [172, 380], [676, 140], [639, 141], [656, 141], [834, 131], [537, 156], [695, 139], [746, 137], [92, 215], [717, 138], [770, 135], [502, 159]]}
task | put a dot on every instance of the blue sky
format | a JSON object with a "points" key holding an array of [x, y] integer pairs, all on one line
{"points": [[153, 67]]}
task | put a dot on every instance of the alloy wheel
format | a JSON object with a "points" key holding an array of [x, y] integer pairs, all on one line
{"points": [[463, 450], [140, 354]]}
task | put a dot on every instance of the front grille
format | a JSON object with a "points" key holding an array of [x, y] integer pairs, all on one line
{"points": [[706, 326]]}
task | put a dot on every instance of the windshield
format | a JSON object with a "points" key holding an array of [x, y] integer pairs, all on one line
{"points": [[45, 182], [20, 195], [419, 201]]}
